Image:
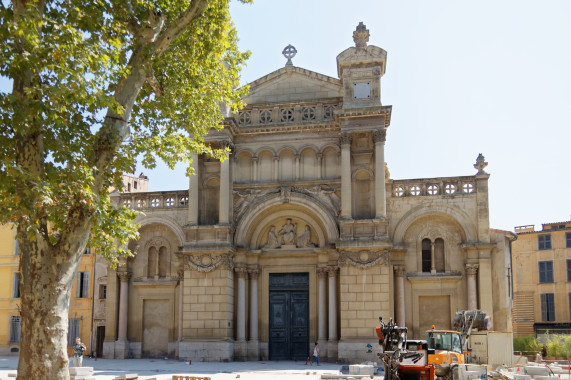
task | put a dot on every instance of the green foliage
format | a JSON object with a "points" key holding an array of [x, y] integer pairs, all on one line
{"points": [[527, 344], [71, 63]]}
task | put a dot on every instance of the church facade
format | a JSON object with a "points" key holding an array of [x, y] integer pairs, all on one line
{"points": [[301, 236]]}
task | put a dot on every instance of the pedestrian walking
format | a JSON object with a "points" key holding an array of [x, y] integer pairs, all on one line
{"points": [[78, 349], [315, 354]]}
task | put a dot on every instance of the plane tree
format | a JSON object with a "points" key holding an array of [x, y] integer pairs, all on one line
{"points": [[97, 86]]}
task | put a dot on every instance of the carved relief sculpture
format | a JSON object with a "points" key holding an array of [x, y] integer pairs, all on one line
{"points": [[288, 233], [303, 241], [273, 240], [325, 193]]}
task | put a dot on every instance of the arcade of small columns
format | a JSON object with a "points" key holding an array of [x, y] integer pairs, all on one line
{"points": [[379, 137]]}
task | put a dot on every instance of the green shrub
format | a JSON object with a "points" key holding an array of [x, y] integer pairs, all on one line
{"points": [[556, 346], [526, 343]]}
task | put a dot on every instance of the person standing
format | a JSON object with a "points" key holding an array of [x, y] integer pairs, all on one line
{"points": [[315, 354], [78, 349]]}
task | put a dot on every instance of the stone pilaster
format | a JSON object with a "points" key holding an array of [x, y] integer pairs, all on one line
{"points": [[379, 138], [122, 343], [193, 191], [346, 200], [240, 346], [223, 212]]}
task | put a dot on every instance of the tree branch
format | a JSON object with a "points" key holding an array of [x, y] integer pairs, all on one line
{"points": [[173, 31]]}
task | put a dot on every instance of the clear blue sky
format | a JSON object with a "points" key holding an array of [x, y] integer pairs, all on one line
{"points": [[463, 77]]}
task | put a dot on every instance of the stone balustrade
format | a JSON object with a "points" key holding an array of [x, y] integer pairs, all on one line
{"points": [[445, 186], [300, 113], [154, 200]]}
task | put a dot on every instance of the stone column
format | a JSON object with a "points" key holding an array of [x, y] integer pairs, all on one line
{"points": [[241, 309], [432, 259], [399, 271], [253, 343], [180, 302], [346, 176], [124, 277], [223, 213], [253, 305], [319, 172], [379, 138], [193, 192], [322, 312], [255, 168], [297, 165], [471, 271], [332, 304], [276, 167]]}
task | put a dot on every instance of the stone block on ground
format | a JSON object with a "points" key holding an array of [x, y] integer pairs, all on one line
{"points": [[80, 371], [361, 369], [128, 376]]}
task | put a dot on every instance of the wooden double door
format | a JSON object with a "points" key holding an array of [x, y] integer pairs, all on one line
{"points": [[289, 316]]}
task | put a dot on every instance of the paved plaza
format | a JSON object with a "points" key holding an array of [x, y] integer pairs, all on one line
{"points": [[107, 369]]}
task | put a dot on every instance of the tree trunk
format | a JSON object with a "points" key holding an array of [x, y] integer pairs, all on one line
{"points": [[48, 274]]}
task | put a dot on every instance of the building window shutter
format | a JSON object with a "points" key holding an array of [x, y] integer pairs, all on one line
{"points": [[72, 331], [16, 285], [15, 323]]}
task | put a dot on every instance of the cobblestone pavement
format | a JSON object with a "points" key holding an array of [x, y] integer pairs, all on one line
{"points": [[107, 369]]}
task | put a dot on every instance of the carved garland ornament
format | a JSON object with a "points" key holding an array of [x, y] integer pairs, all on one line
{"points": [[208, 262], [364, 259]]}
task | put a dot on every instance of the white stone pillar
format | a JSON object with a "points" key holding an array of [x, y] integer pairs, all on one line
{"points": [[432, 258], [180, 302], [399, 296], [346, 176], [193, 191], [297, 166], [253, 305], [471, 271], [223, 212], [255, 168], [380, 180], [124, 277], [276, 167], [319, 159], [332, 304], [322, 312], [241, 309]]}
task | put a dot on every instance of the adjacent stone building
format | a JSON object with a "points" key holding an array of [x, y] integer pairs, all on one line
{"points": [[542, 279], [302, 236]]}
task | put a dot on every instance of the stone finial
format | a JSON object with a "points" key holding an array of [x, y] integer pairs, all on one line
{"points": [[361, 35], [289, 52], [480, 164]]}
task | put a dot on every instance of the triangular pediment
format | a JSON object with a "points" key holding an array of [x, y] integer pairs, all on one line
{"points": [[293, 84]]}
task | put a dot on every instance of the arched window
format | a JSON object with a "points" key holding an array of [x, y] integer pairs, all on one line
{"points": [[439, 255], [152, 262], [426, 255], [163, 262]]}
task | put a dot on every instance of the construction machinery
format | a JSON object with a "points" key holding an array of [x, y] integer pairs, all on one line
{"points": [[441, 355], [449, 347]]}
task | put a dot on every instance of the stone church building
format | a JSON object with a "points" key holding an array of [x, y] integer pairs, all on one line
{"points": [[302, 236]]}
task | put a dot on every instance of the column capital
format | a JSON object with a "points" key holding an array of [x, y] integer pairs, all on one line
{"points": [[227, 144], [322, 272], [242, 272], [180, 274], [254, 158], [276, 158], [380, 135], [399, 270], [253, 273], [472, 269], [124, 276], [332, 270], [346, 138]]}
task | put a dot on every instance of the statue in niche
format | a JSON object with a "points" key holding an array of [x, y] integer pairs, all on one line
{"points": [[273, 241], [303, 241], [288, 233]]}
